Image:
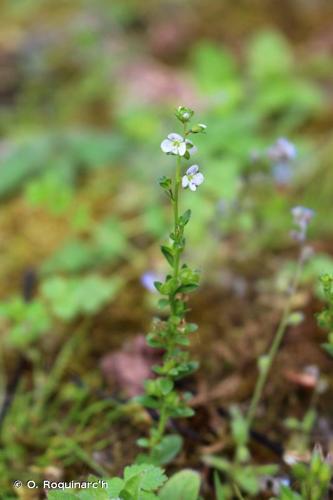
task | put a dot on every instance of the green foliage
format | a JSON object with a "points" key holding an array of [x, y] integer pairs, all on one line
{"points": [[72, 152], [288, 494], [325, 317], [140, 482], [304, 425], [314, 479], [108, 241], [70, 297], [49, 192], [27, 321], [246, 477], [163, 452], [184, 485], [241, 475]]}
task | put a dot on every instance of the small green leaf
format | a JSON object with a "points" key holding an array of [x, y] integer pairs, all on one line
{"points": [[142, 442], [158, 285], [166, 385], [168, 254], [218, 487], [162, 303], [184, 219], [191, 328], [167, 449], [182, 412], [187, 288], [165, 182]]}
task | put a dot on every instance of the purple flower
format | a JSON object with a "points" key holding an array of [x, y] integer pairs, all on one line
{"points": [[282, 151], [282, 173], [148, 279], [302, 217]]}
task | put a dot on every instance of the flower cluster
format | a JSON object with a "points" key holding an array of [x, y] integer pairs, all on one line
{"points": [[302, 217]]}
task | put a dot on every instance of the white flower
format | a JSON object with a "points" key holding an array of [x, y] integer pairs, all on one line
{"points": [[193, 178], [175, 144]]}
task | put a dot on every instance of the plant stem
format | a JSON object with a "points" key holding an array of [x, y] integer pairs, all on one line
{"points": [[237, 491], [163, 420], [176, 215], [278, 337]]}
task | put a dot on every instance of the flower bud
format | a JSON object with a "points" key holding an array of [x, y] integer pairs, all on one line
{"points": [[263, 363], [200, 127], [184, 114]]}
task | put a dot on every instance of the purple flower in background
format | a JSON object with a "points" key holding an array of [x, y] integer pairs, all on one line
{"points": [[148, 279], [282, 151], [282, 173], [281, 154], [302, 217]]}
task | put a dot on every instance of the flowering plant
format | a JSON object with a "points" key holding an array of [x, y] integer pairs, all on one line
{"points": [[172, 334]]}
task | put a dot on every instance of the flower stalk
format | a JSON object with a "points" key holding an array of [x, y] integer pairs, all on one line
{"points": [[172, 334], [302, 216]]}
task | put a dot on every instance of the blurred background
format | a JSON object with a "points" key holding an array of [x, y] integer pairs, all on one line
{"points": [[87, 93]]}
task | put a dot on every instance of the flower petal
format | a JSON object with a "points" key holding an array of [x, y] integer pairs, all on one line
{"points": [[181, 148], [174, 148], [175, 137], [185, 181], [192, 186], [192, 170], [198, 178], [166, 146]]}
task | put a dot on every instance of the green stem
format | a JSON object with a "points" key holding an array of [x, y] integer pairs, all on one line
{"points": [[169, 348], [237, 491], [176, 228], [278, 337], [160, 429]]}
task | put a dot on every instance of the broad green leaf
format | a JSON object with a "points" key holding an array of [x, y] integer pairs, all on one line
{"points": [[167, 449], [151, 477], [184, 485]]}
